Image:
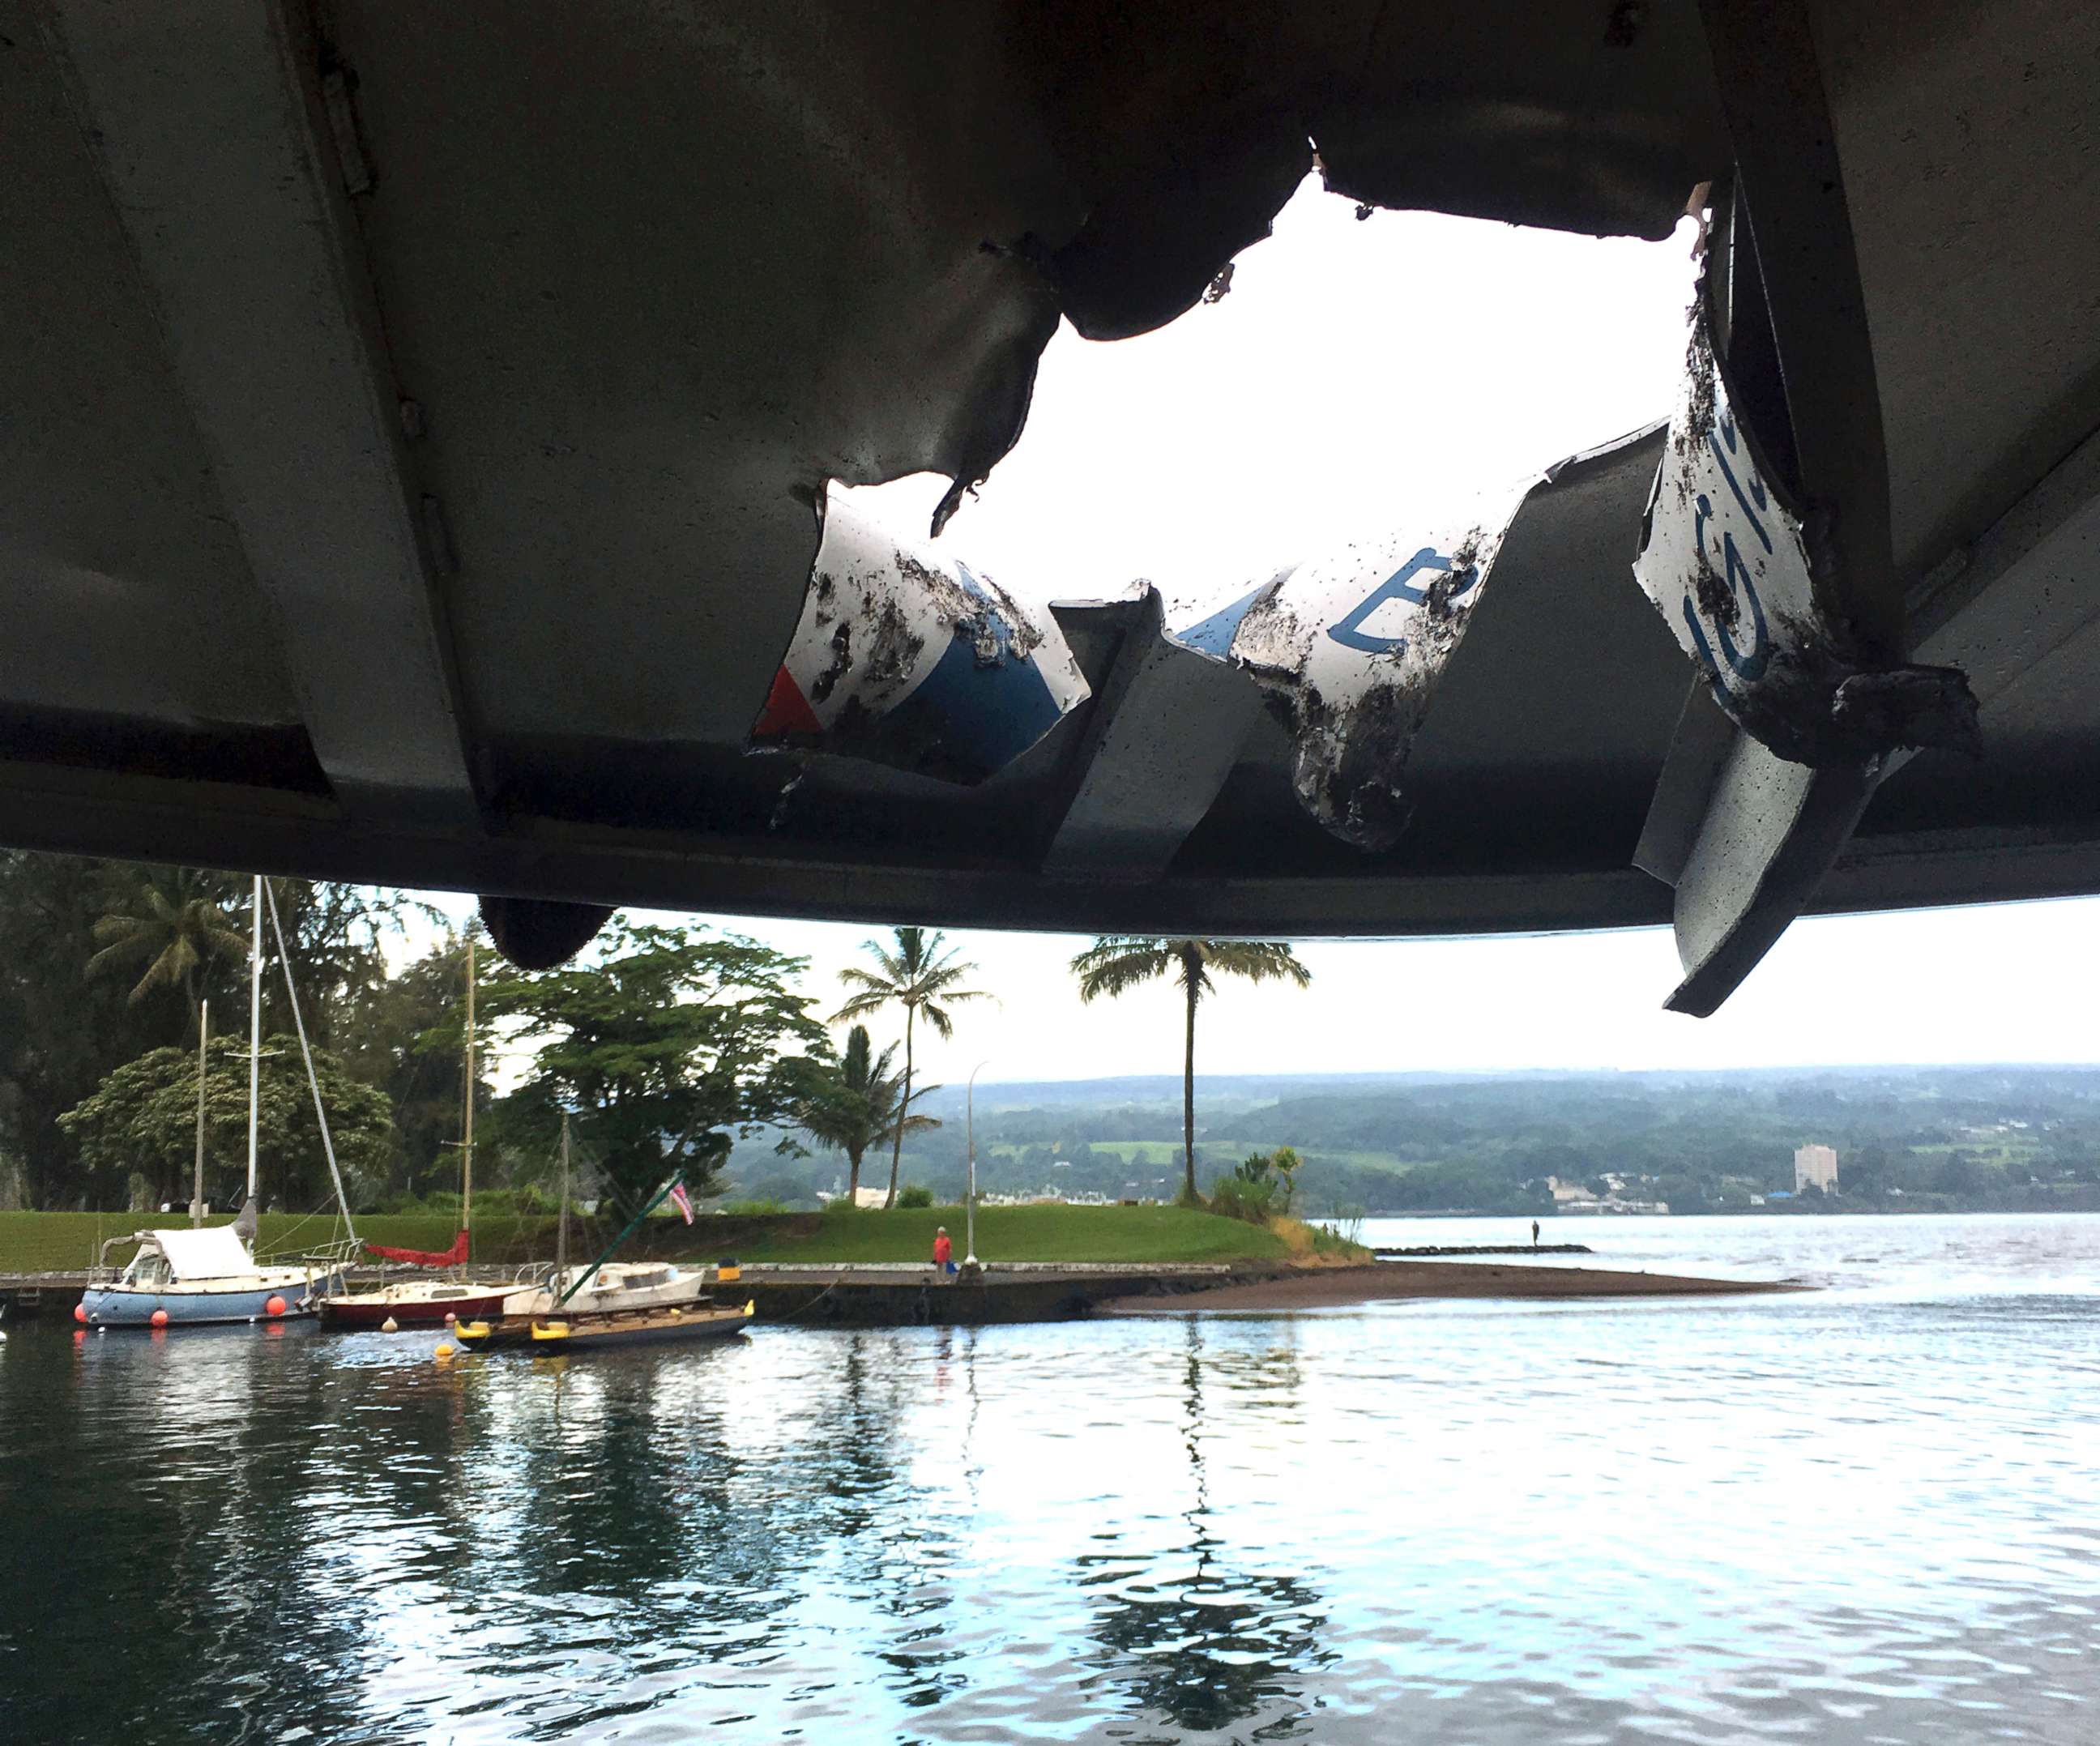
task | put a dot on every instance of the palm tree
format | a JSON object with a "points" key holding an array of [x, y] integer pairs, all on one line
{"points": [[856, 1103], [174, 923], [920, 977], [1116, 961]]}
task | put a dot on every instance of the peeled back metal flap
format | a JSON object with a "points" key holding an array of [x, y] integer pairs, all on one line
{"points": [[913, 661], [1348, 650]]}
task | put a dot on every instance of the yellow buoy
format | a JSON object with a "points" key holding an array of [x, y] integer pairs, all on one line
{"points": [[445, 1348], [390, 1326]]}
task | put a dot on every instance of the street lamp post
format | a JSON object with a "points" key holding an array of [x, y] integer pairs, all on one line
{"points": [[970, 1193]]}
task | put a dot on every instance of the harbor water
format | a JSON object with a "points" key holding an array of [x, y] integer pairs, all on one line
{"points": [[1866, 1514]]}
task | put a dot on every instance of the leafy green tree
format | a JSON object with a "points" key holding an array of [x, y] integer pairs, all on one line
{"points": [[920, 977], [1957, 1173], [664, 1050], [409, 1038], [857, 1102], [59, 1034], [1117, 962], [336, 935], [62, 1030], [142, 1118], [175, 923]]}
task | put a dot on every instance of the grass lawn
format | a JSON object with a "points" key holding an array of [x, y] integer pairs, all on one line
{"points": [[1018, 1233], [32, 1242]]}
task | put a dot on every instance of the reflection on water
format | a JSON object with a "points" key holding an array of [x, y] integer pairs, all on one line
{"points": [[1869, 1514], [1214, 1644]]}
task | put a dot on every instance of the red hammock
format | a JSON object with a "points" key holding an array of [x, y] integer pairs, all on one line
{"points": [[454, 1256]]}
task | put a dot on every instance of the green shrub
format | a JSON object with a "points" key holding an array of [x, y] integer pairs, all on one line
{"points": [[1260, 1186], [1236, 1198], [913, 1194], [758, 1209], [1327, 1242]]}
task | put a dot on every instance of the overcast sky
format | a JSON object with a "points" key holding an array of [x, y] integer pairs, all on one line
{"points": [[1359, 375]]}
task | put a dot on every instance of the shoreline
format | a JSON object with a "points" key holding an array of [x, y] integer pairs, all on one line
{"points": [[1402, 1281]]}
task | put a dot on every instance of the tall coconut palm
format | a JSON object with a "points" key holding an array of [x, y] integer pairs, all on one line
{"points": [[919, 976], [856, 1103], [175, 923], [1116, 961]]}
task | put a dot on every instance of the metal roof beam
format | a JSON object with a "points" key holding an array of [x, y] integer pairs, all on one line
{"points": [[214, 136]]}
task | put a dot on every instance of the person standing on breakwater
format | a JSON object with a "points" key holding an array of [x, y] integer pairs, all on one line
{"points": [[944, 1252], [1535, 1233]]}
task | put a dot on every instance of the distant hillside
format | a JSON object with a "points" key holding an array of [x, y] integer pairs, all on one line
{"points": [[1235, 1090], [1915, 1136]]}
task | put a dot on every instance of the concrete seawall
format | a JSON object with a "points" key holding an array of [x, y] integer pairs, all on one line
{"points": [[854, 1294]]}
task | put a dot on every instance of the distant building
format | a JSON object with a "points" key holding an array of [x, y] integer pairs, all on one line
{"points": [[1815, 1167]]}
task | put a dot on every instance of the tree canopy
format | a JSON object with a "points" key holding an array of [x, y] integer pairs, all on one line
{"points": [[102, 962], [1116, 962], [142, 1118], [857, 1102], [173, 922], [666, 1048], [918, 973]]}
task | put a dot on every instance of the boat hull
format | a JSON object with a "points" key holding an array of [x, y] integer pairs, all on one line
{"points": [[121, 1306], [372, 1309], [588, 1332]]}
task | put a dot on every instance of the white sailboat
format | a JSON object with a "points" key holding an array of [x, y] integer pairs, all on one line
{"points": [[183, 1278]]}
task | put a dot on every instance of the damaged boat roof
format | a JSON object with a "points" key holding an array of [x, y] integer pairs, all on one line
{"points": [[417, 425]]}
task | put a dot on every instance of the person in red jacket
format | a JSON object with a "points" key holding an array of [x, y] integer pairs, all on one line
{"points": [[944, 1251]]}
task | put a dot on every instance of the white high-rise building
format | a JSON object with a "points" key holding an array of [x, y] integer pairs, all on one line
{"points": [[1815, 1166]]}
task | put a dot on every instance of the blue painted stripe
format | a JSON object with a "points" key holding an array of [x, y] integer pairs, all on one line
{"points": [[973, 716], [1214, 635]]}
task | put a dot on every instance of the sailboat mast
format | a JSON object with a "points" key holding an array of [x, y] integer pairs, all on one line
{"points": [[562, 1229], [196, 1189], [467, 1138], [255, 1035], [313, 1078]]}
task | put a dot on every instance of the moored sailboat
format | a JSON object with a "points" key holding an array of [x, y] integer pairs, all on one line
{"points": [[607, 1302], [185, 1277], [429, 1302]]}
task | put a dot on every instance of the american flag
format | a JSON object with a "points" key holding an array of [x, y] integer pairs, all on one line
{"points": [[681, 1200]]}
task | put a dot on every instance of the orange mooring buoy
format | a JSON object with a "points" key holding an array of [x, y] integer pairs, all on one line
{"points": [[274, 1307], [159, 1318]]}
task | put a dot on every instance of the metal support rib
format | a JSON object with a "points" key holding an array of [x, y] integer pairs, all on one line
{"points": [[209, 124], [1167, 729], [1766, 831]]}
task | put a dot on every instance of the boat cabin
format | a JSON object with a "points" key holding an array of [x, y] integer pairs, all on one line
{"points": [[186, 1257]]}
